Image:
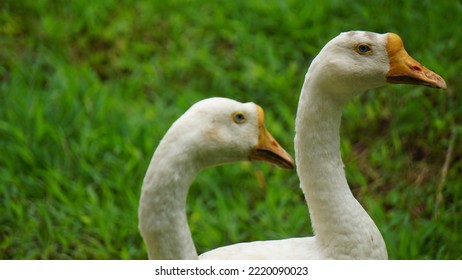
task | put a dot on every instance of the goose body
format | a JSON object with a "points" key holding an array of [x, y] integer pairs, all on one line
{"points": [[213, 131], [351, 63]]}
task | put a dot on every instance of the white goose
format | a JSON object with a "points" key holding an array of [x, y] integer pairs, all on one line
{"points": [[213, 131], [349, 64]]}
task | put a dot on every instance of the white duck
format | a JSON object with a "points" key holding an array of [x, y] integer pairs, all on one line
{"points": [[349, 64], [213, 131]]}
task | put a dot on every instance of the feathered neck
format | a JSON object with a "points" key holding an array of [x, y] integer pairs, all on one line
{"points": [[342, 227], [162, 211]]}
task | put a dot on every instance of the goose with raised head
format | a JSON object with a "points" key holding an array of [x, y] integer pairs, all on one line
{"points": [[351, 63], [213, 131]]}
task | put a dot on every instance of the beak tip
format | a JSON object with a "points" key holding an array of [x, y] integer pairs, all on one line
{"points": [[437, 81], [279, 158], [442, 84], [290, 165]]}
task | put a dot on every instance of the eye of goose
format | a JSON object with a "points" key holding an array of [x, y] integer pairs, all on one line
{"points": [[239, 117], [363, 49]]}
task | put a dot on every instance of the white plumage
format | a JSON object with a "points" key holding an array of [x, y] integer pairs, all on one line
{"points": [[349, 64], [212, 132]]}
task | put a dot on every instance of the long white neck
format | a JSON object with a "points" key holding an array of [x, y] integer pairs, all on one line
{"points": [[342, 227], [162, 211]]}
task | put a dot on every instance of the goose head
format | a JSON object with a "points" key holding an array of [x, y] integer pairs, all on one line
{"points": [[217, 130], [356, 61]]}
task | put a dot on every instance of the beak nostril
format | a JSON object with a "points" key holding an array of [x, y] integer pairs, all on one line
{"points": [[416, 68]]}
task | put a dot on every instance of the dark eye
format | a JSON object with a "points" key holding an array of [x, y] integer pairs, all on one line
{"points": [[239, 117], [363, 49]]}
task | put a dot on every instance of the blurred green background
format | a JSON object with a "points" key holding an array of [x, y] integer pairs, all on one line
{"points": [[88, 88]]}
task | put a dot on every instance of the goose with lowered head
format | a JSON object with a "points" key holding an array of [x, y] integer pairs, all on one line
{"points": [[213, 131], [351, 63]]}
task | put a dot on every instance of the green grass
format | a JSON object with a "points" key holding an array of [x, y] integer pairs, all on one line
{"points": [[88, 88]]}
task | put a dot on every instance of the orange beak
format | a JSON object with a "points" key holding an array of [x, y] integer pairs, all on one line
{"points": [[406, 70], [267, 148]]}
